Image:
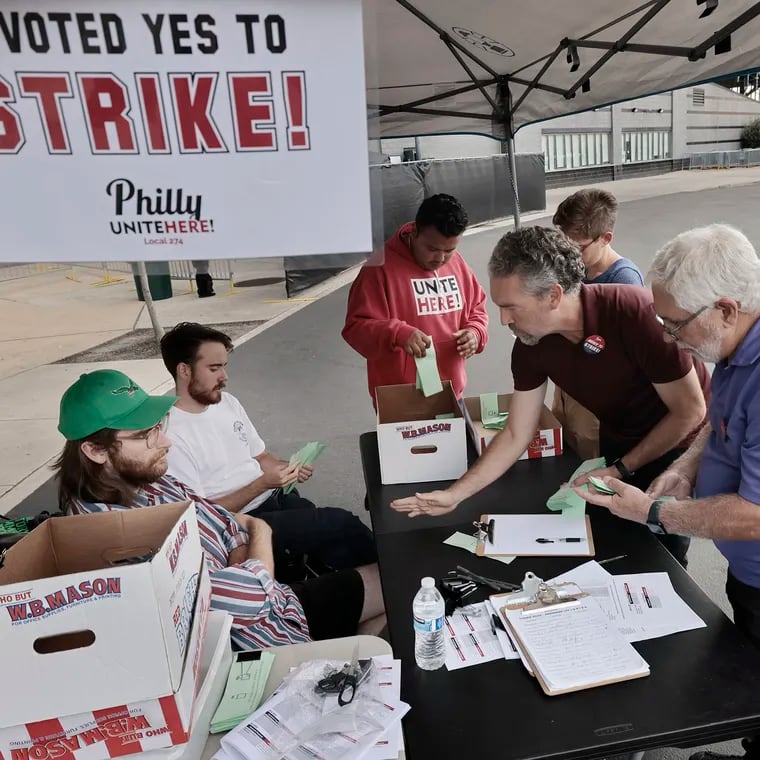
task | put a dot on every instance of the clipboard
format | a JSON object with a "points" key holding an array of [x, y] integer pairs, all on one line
{"points": [[486, 535], [539, 602]]}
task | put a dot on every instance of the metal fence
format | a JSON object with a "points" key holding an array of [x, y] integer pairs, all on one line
{"points": [[725, 159], [220, 269]]}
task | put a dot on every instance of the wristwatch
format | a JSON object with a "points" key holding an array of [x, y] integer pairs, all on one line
{"points": [[653, 518], [625, 473]]}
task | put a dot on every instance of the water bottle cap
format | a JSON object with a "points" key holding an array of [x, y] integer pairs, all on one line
{"points": [[428, 582]]}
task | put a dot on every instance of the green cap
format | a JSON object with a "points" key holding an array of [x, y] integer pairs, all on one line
{"points": [[109, 399]]}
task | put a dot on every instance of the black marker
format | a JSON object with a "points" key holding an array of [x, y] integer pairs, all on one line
{"points": [[570, 540]]}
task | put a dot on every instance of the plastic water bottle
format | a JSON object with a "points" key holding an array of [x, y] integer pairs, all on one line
{"points": [[429, 610]]}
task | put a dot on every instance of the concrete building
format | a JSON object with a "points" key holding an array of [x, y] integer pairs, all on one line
{"points": [[648, 135]]}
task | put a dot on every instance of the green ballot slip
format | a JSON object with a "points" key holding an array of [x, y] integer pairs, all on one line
{"points": [[566, 500], [490, 416], [307, 454], [600, 485], [428, 378], [245, 687]]}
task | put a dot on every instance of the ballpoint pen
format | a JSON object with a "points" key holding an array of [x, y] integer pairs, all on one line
{"points": [[611, 559], [570, 540]]}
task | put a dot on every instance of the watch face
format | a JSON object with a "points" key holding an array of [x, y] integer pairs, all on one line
{"points": [[656, 528]]}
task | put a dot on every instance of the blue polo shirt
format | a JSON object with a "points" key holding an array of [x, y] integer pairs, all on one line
{"points": [[731, 459]]}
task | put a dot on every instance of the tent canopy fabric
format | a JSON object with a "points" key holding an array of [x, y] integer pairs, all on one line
{"points": [[488, 67]]}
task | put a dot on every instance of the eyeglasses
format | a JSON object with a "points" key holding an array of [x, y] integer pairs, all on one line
{"points": [[678, 326], [583, 247], [151, 435]]}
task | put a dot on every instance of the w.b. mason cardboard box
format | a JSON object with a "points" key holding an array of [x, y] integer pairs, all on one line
{"points": [[419, 439], [101, 620], [546, 443]]}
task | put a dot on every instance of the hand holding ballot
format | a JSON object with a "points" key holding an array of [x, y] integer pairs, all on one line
{"points": [[417, 344], [627, 501], [601, 472]]}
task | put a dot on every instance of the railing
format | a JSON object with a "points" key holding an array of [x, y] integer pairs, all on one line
{"points": [[725, 159], [220, 269]]}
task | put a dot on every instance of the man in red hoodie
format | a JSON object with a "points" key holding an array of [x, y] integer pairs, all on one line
{"points": [[422, 289]]}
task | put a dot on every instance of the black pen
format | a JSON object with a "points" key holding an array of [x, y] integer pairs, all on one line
{"points": [[497, 622], [570, 540]]}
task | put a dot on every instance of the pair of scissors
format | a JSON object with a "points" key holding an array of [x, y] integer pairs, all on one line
{"points": [[343, 681], [348, 688]]}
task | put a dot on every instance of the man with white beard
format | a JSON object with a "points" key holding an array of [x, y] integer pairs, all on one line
{"points": [[706, 286], [601, 344]]}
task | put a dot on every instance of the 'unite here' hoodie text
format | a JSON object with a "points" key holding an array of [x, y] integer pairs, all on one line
{"points": [[388, 303]]}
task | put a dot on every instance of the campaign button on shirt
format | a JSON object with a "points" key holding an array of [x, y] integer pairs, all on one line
{"points": [[594, 344]]}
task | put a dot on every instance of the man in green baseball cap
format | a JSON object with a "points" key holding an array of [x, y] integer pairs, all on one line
{"points": [[114, 429], [107, 398], [114, 458]]}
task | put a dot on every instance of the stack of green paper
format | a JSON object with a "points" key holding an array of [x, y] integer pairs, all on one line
{"points": [[308, 454], [566, 500], [490, 416], [428, 378], [600, 486], [245, 687]]}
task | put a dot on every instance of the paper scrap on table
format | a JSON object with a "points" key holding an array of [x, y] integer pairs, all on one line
{"points": [[307, 454], [640, 605], [565, 499], [490, 416], [428, 378], [472, 638], [470, 544]]}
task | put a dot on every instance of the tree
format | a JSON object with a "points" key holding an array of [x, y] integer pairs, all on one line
{"points": [[751, 135]]}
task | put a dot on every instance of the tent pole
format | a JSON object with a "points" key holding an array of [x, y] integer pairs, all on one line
{"points": [[142, 273], [513, 178], [507, 114]]}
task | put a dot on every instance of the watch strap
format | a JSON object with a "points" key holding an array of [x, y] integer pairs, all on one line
{"points": [[625, 473], [653, 518]]}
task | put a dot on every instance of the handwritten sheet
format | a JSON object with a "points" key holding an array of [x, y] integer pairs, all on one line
{"points": [[574, 647]]}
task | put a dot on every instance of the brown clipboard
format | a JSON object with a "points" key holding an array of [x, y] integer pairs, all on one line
{"points": [[498, 601], [480, 549]]}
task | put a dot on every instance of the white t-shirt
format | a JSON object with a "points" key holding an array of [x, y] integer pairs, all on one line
{"points": [[214, 451]]}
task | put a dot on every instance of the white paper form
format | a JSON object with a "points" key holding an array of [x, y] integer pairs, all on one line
{"points": [[471, 638], [389, 680], [518, 534], [575, 646], [641, 605]]}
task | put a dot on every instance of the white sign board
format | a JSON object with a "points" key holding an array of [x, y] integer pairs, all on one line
{"points": [[190, 130]]}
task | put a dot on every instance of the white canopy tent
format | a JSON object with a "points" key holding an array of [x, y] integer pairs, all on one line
{"points": [[490, 67]]}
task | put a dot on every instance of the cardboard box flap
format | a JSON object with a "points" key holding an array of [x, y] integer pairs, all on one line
{"points": [[83, 543], [35, 560], [404, 403]]}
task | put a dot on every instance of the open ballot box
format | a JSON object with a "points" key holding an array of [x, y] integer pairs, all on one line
{"points": [[420, 438], [102, 618], [546, 443]]}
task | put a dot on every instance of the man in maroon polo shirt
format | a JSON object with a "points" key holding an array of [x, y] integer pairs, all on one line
{"points": [[603, 345]]}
